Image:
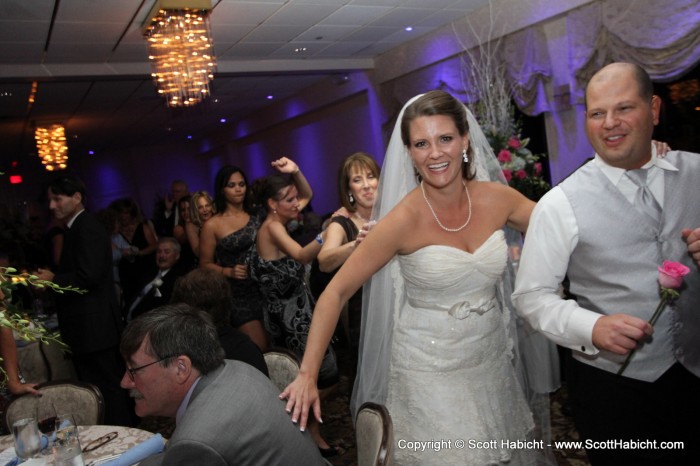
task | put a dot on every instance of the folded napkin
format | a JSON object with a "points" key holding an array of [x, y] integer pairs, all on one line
{"points": [[140, 452]]}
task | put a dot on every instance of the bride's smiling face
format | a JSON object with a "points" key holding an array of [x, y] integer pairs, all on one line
{"points": [[436, 148]]}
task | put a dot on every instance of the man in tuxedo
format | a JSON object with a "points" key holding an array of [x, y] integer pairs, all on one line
{"points": [[168, 215], [90, 322], [608, 227], [156, 291], [226, 412]]}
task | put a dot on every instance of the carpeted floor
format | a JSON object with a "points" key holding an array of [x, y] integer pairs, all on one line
{"points": [[338, 428]]}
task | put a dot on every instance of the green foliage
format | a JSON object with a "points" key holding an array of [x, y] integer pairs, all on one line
{"points": [[12, 318]]}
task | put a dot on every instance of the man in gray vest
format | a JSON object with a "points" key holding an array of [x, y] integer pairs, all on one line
{"points": [[607, 228]]}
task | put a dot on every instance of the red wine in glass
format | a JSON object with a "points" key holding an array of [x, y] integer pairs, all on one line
{"points": [[46, 425]]}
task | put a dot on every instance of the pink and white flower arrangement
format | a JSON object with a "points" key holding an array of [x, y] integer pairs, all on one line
{"points": [[521, 168]]}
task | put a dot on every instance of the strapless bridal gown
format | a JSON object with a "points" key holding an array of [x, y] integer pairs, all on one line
{"points": [[451, 377]]}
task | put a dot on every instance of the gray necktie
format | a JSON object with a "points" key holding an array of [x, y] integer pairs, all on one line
{"points": [[644, 201]]}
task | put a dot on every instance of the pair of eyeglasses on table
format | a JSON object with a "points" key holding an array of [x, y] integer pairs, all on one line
{"points": [[98, 442]]}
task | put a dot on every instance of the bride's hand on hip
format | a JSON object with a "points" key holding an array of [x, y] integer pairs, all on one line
{"points": [[301, 395]]}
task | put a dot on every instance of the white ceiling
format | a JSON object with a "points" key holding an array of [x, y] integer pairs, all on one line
{"points": [[91, 63]]}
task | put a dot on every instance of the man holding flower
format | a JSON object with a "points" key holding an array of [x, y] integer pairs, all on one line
{"points": [[608, 228]]}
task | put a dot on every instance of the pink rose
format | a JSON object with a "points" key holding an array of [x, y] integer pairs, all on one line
{"points": [[508, 174], [538, 168], [514, 143], [521, 174], [504, 156], [671, 274]]}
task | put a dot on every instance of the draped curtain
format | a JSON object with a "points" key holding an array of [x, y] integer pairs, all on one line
{"points": [[661, 36]]}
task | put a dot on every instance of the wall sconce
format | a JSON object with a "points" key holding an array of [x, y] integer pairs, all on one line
{"points": [[181, 50], [52, 147]]}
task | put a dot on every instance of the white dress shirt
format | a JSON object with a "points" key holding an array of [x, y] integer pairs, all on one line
{"points": [[551, 238]]}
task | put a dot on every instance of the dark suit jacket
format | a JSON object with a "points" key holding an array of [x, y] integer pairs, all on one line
{"points": [[234, 417], [151, 301], [164, 225], [88, 322]]}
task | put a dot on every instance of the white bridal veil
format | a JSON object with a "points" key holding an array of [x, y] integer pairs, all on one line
{"points": [[535, 359]]}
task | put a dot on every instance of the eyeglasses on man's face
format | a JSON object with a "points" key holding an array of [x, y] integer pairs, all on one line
{"points": [[133, 370]]}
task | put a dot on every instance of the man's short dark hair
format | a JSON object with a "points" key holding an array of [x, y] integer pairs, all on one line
{"points": [[67, 185], [174, 330], [206, 290]]}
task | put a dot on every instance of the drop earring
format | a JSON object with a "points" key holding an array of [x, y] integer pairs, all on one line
{"points": [[352, 199], [465, 157]]}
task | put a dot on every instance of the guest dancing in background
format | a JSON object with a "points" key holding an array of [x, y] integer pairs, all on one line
{"points": [[277, 264], [224, 244], [357, 187], [139, 260], [187, 256], [438, 354], [202, 209]]}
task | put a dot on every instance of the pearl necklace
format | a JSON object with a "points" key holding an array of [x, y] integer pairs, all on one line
{"points": [[451, 230]]}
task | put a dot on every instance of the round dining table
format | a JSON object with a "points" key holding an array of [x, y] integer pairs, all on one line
{"points": [[126, 438]]}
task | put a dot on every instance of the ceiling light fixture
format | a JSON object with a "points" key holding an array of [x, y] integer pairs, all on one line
{"points": [[181, 50], [52, 147]]}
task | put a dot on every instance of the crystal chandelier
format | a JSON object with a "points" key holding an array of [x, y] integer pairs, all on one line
{"points": [[181, 50], [51, 144]]}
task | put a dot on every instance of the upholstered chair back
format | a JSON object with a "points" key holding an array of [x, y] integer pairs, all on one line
{"points": [[282, 365], [83, 400], [374, 434]]}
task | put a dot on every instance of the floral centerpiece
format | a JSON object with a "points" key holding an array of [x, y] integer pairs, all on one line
{"points": [[521, 168], [10, 317]]}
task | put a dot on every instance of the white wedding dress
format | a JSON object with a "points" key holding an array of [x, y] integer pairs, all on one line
{"points": [[451, 377]]}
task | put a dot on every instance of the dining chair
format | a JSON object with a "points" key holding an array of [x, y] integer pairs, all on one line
{"points": [[282, 365], [83, 400], [374, 435]]}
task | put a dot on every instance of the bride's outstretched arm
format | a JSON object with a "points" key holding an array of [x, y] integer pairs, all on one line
{"points": [[378, 248]]}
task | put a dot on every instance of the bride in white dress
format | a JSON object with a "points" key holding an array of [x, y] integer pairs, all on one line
{"points": [[435, 346]]}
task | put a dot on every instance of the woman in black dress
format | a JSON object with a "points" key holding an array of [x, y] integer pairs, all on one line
{"points": [[357, 187], [223, 246]]}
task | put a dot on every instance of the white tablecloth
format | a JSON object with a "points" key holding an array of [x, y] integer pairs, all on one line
{"points": [[127, 437]]}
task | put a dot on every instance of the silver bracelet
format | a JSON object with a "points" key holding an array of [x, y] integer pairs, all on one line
{"points": [[319, 238]]}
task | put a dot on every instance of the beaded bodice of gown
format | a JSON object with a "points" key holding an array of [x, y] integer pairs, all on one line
{"points": [[450, 373]]}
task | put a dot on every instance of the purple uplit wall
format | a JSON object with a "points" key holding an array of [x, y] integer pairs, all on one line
{"points": [[316, 129], [316, 139]]}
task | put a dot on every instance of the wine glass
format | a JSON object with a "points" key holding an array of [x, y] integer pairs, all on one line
{"points": [[46, 416], [27, 438], [66, 447]]}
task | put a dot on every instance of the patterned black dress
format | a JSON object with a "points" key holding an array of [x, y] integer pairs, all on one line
{"points": [[233, 250], [288, 308]]}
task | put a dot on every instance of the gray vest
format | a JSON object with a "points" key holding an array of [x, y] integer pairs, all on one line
{"points": [[613, 269]]}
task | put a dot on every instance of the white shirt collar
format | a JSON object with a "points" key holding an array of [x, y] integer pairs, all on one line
{"points": [[70, 222], [614, 174]]}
